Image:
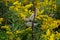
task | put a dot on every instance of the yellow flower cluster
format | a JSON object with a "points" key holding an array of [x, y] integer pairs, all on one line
{"points": [[7, 1], [11, 7], [16, 6], [8, 32], [19, 7], [28, 6], [57, 35], [7, 27], [29, 29], [22, 15], [18, 38], [17, 3], [50, 23], [18, 32], [51, 37], [1, 19], [48, 33], [22, 31]]}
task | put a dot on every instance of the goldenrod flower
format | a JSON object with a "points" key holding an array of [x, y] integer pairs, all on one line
{"points": [[57, 35], [18, 31], [38, 17], [38, 5], [28, 6], [50, 2], [8, 32], [42, 11], [6, 27], [18, 38], [44, 27], [48, 32], [46, 2], [51, 37], [15, 3], [1, 19], [22, 15], [16, 9], [28, 29], [11, 8]]}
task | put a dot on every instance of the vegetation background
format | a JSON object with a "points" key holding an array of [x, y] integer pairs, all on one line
{"points": [[16, 17]]}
